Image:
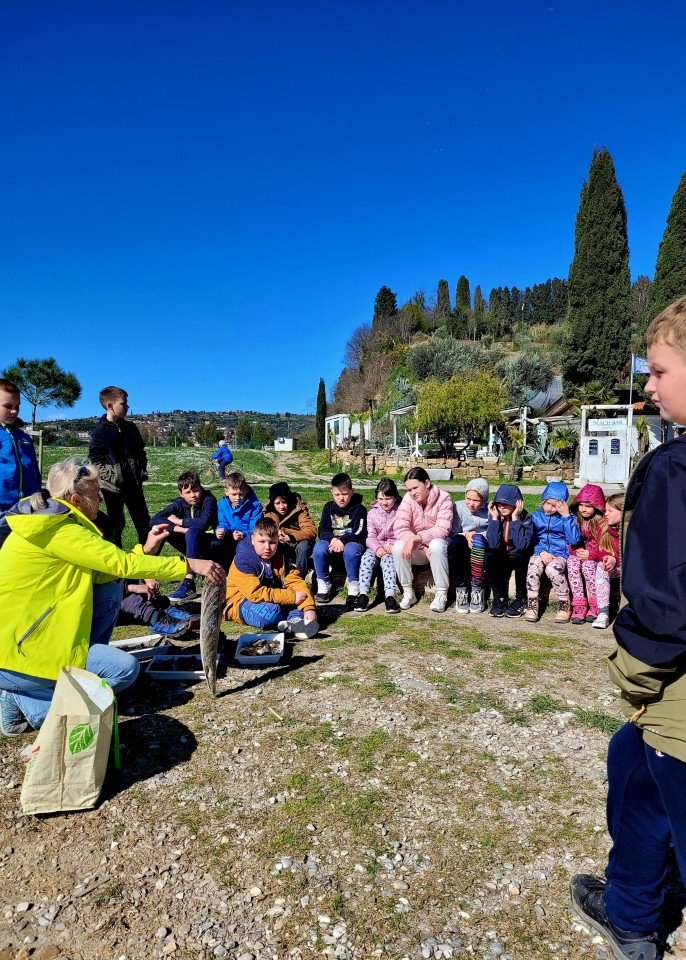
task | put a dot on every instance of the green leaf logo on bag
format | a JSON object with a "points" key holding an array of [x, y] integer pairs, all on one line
{"points": [[80, 738]]}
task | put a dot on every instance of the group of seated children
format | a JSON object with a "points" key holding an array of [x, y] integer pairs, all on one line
{"points": [[474, 542]]}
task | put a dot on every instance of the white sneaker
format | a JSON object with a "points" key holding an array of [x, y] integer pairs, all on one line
{"points": [[440, 601], [462, 601], [477, 602], [408, 599], [602, 621]]}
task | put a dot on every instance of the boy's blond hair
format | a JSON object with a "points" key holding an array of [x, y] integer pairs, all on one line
{"points": [[669, 326], [235, 481], [111, 395]]}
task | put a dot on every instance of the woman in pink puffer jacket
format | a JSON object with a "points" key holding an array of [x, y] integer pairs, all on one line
{"points": [[422, 528]]}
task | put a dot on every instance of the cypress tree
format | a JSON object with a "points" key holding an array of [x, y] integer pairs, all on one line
{"points": [[385, 305], [670, 270], [320, 418], [442, 300], [599, 290]]}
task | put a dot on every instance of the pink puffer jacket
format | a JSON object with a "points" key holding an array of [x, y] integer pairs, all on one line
{"points": [[381, 527], [431, 521]]}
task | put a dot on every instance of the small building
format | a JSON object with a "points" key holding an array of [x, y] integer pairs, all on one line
{"points": [[283, 444], [609, 442], [339, 423]]}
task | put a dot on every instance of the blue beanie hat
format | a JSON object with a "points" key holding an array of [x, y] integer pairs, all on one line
{"points": [[556, 491], [508, 493]]}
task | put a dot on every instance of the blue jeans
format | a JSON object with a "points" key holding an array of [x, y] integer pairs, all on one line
{"points": [[263, 615], [118, 668], [321, 556], [645, 816]]}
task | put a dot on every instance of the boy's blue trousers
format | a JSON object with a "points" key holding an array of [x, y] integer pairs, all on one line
{"points": [[322, 557], [646, 814]]}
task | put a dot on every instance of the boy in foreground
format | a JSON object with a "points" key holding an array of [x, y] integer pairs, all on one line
{"points": [[117, 447], [647, 756], [342, 531], [261, 590], [19, 473], [190, 519]]}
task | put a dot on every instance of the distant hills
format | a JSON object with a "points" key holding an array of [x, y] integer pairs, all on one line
{"points": [[284, 424]]}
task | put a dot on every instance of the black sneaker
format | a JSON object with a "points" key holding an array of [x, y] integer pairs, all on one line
{"points": [[516, 608], [351, 603], [498, 607], [588, 901], [361, 602], [392, 605]]}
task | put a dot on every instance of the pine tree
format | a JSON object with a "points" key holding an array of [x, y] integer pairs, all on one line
{"points": [[320, 416], [670, 270], [442, 300], [385, 305], [459, 325], [599, 304]]}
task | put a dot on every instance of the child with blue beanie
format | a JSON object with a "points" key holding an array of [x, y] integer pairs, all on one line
{"points": [[509, 536], [556, 530]]}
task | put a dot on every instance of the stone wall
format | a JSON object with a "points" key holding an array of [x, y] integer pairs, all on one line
{"points": [[463, 470]]}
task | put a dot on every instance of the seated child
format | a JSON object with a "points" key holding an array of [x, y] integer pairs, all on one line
{"points": [[190, 519], [509, 539], [144, 605], [297, 532], [380, 540], [342, 532], [556, 530], [239, 510], [262, 592], [608, 566], [223, 457], [582, 562], [467, 546]]}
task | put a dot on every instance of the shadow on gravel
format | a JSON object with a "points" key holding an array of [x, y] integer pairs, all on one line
{"points": [[290, 661], [150, 745]]}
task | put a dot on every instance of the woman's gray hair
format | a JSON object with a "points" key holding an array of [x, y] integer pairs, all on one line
{"points": [[63, 479]]}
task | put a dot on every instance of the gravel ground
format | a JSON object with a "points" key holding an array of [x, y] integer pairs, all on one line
{"points": [[412, 786]]}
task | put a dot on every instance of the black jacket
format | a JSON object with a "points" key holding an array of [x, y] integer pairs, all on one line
{"points": [[348, 524], [119, 451], [203, 515]]}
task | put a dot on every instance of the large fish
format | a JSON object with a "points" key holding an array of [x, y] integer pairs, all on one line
{"points": [[212, 604]]}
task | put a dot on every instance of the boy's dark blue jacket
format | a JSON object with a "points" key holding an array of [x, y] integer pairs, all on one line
{"points": [[202, 516], [19, 473], [119, 451], [348, 524], [512, 535]]}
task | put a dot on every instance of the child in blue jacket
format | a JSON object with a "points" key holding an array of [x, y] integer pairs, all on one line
{"points": [[556, 530], [223, 457], [19, 473], [239, 510]]}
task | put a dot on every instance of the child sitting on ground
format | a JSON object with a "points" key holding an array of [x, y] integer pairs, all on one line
{"points": [[297, 532], [467, 546], [261, 590], [342, 532], [582, 562], [380, 540], [607, 568], [509, 538], [556, 530], [190, 519], [239, 510]]}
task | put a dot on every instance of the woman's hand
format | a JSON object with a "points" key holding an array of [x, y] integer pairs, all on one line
{"points": [[158, 534], [206, 568]]}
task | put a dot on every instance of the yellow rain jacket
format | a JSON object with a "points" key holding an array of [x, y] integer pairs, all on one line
{"points": [[49, 564]]}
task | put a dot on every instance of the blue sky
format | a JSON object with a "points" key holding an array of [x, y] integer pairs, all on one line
{"points": [[200, 200]]}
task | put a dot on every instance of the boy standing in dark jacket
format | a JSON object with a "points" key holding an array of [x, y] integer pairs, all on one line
{"points": [[509, 538], [117, 447], [19, 473], [646, 761], [342, 530], [191, 520]]}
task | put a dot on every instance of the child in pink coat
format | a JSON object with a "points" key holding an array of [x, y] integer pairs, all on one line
{"points": [[380, 541], [584, 556]]}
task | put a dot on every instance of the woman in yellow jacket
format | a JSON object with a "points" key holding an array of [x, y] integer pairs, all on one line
{"points": [[66, 592]]}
